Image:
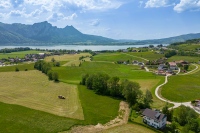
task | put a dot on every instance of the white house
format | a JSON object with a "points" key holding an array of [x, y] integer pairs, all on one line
{"points": [[154, 118]]}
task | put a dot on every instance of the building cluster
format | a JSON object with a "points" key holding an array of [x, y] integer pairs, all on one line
{"points": [[27, 58], [170, 67]]}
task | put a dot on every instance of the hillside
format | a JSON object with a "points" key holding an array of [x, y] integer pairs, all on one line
{"points": [[44, 32]]}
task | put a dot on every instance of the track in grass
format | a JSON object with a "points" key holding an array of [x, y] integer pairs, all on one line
{"points": [[32, 89]]}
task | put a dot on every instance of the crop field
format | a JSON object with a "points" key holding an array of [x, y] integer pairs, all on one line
{"points": [[186, 58], [184, 88], [129, 128], [66, 57], [33, 90], [20, 54], [114, 57]]}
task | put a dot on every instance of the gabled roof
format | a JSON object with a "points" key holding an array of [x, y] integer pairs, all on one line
{"points": [[172, 63], [157, 116]]}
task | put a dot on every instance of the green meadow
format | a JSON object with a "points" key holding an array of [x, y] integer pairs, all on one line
{"points": [[186, 58], [23, 110], [182, 88], [20, 54]]}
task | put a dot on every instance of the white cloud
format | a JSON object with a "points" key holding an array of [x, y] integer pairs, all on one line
{"points": [[187, 5], [156, 3], [17, 13], [95, 22], [59, 16], [71, 17], [5, 4]]}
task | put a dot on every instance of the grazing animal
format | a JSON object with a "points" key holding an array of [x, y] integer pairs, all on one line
{"points": [[61, 97]]}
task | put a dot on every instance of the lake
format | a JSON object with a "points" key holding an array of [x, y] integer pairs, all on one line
{"points": [[83, 47]]}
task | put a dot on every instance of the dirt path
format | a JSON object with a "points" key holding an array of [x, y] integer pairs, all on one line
{"points": [[121, 119]]}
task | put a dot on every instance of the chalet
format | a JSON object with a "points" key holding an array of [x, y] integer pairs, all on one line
{"points": [[154, 118], [173, 66]]}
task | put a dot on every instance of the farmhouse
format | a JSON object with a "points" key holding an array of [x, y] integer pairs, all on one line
{"points": [[154, 118], [173, 66]]}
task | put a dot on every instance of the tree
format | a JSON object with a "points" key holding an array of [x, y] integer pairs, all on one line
{"points": [[84, 78], [169, 113], [148, 99], [131, 91], [99, 84], [57, 64], [16, 69], [89, 81], [55, 76], [50, 75], [194, 125], [185, 114], [186, 67], [53, 60], [114, 87]]}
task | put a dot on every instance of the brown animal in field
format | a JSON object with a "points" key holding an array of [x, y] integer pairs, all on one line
{"points": [[61, 97]]}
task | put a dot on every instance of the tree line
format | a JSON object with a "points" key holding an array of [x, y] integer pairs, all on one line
{"points": [[45, 67], [103, 84]]}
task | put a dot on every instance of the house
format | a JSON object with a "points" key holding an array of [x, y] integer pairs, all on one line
{"points": [[140, 63], [182, 62], [154, 118], [135, 62], [173, 66], [162, 67]]}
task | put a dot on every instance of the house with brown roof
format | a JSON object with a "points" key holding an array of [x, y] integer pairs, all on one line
{"points": [[173, 66], [154, 118]]}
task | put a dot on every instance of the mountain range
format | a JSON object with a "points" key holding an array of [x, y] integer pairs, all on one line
{"points": [[45, 33]]}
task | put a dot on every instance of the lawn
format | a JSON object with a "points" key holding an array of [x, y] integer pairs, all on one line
{"points": [[182, 88], [129, 128], [20, 54], [33, 89], [186, 58]]}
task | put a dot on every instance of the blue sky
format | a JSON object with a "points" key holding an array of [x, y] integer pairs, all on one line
{"points": [[117, 19]]}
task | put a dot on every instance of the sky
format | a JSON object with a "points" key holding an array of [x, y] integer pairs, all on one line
{"points": [[117, 19]]}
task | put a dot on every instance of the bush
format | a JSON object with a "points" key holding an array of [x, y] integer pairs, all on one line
{"points": [[16, 69]]}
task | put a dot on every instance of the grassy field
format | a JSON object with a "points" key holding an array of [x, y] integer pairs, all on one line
{"points": [[147, 55], [97, 108], [182, 88], [68, 74], [33, 89], [20, 54], [129, 128], [21, 67], [114, 57], [186, 58], [19, 119], [66, 57]]}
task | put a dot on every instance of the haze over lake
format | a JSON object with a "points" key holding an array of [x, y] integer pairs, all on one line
{"points": [[83, 47]]}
